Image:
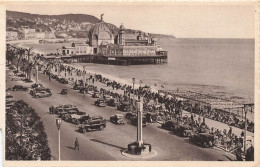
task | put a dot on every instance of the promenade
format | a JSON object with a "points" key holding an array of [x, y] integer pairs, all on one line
{"points": [[211, 123], [106, 144]]}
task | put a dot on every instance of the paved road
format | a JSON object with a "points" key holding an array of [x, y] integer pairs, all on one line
{"points": [[106, 144]]}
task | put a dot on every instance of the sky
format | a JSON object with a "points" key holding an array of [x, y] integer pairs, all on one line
{"points": [[181, 20]]}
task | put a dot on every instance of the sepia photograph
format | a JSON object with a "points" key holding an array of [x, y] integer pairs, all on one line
{"points": [[129, 81]]}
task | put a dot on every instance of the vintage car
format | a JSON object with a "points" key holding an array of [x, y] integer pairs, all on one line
{"points": [[54, 76], [74, 118], [151, 117], [93, 124], [42, 94], [67, 107], [130, 115], [64, 91], [84, 119], [82, 89], [117, 119], [19, 87], [66, 114], [100, 103], [77, 87], [8, 96], [125, 107], [134, 121], [111, 102], [203, 139], [183, 130], [39, 92], [170, 125], [36, 85], [95, 94], [9, 104], [63, 81]]}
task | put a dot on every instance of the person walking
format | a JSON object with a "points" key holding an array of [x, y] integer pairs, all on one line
{"points": [[76, 144]]}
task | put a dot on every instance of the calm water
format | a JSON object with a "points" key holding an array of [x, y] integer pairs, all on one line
{"points": [[221, 67]]}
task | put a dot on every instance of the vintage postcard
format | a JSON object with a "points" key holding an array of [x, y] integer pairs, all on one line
{"points": [[130, 83]]}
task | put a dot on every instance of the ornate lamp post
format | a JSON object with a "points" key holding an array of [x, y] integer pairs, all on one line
{"points": [[58, 123]]}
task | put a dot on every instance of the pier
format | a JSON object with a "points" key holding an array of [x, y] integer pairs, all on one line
{"points": [[161, 58]]}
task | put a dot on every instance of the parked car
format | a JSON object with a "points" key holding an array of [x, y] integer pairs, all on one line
{"points": [[64, 91], [93, 124], [203, 139], [125, 107], [84, 119], [96, 94], [42, 94], [8, 96], [134, 121], [117, 119], [74, 118], [111, 102], [19, 87], [100, 103], [170, 125], [67, 107], [130, 115], [183, 130], [151, 117], [77, 87], [63, 81], [9, 104], [36, 85], [82, 89]]}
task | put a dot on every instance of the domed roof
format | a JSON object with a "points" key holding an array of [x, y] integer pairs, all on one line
{"points": [[100, 27], [122, 27]]}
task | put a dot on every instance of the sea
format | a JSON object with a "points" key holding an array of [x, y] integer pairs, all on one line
{"points": [[218, 67]]}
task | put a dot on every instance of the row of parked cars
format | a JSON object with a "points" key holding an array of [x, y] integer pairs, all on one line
{"points": [[194, 135], [71, 113]]}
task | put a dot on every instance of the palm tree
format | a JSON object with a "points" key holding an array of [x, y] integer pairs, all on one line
{"points": [[10, 55], [21, 52], [29, 68]]}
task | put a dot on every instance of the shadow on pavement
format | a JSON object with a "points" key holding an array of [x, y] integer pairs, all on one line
{"points": [[112, 145], [72, 148]]}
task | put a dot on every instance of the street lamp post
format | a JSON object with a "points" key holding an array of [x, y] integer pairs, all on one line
{"points": [[133, 79], [58, 123], [84, 80], [36, 73]]}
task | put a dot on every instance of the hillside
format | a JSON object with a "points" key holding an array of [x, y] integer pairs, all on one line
{"points": [[72, 17], [74, 25]]}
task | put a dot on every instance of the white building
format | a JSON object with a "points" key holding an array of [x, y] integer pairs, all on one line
{"points": [[11, 35], [76, 49]]}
